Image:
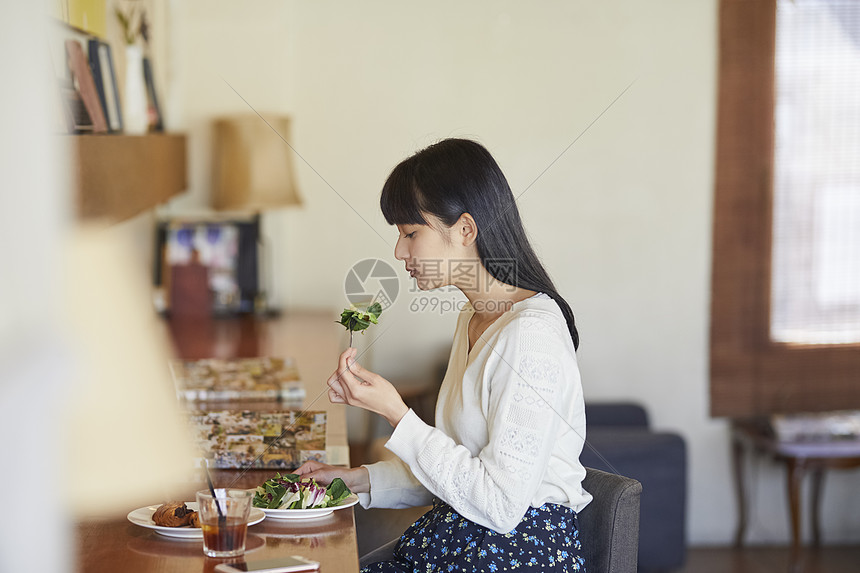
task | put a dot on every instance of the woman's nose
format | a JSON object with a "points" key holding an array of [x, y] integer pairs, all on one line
{"points": [[401, 253]]}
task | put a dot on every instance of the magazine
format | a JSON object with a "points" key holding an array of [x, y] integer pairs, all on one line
{"points": [[248, 439], [239, 379], [817, 427]]}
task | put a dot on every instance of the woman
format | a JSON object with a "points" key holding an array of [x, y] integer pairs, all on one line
{"points": [[501, 466]]}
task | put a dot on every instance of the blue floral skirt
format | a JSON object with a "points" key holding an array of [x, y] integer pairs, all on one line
{"points": [[547, 539]]}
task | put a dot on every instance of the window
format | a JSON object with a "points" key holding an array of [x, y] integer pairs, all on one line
{"points": [[815, 293], [786, 267]]}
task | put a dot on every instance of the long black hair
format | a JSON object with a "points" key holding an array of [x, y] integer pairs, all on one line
{"points": [[456, 176]]}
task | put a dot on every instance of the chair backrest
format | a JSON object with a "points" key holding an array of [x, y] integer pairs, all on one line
{"points": [[609, 525], [615, 415]]}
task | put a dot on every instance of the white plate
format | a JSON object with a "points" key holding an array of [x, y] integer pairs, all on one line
{"points": [[143, 517], [350, 500]]}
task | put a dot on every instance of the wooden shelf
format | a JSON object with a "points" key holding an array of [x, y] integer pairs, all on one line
{"points": [[119, 176]]}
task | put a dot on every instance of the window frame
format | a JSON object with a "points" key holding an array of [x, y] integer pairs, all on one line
{"points": [[750, 374]]}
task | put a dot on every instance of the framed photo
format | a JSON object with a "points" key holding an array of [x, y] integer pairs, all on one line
{"points": [[74, 116], [101, 65], [59, 32], [80, 68], [229, 248]]}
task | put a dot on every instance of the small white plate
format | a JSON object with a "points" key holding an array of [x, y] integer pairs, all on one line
{"points": [[350, 500], [143, 517]]}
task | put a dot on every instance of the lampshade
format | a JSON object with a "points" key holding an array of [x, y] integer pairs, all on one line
{"points": [[252, 167]]}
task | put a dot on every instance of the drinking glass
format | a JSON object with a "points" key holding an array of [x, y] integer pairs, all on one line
{"points": [[224, 520]]}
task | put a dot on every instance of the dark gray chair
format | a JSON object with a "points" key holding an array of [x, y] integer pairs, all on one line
{"points": [[379, 530], [609, 525]]}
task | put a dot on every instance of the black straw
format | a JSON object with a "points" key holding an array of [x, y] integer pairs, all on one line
{"points": [[221, 516], [226, 536]]}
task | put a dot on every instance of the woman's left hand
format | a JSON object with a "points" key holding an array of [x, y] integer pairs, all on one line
{"points": [[351, 384]]}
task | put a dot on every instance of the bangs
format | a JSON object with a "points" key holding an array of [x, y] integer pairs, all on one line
{"points": [[401, 199]]}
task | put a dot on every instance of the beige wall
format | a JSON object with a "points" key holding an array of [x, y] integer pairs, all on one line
{"points": [[620, 213]]}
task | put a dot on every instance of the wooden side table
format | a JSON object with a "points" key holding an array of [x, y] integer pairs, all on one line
{"points": [[800, 458]]}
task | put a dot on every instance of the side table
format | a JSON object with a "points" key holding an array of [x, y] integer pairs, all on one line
{"points": [[800, 458]]}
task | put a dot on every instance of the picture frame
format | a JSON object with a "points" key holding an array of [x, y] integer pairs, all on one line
{"points": [[83, 76], [104, 76], [241, 276], [59, 33], [72, 114]]}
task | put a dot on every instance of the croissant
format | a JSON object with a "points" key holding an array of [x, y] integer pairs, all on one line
{"points": [[194, 519], [173, 514]]}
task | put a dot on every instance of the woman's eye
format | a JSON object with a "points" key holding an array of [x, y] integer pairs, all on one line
{"points": [[410, 235]]}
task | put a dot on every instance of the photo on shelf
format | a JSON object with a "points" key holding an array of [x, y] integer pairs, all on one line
{"points": [[215, 246], [73, 116], [225, 250]]}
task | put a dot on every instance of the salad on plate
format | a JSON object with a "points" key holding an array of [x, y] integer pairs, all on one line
{"points": [[291, 491]]}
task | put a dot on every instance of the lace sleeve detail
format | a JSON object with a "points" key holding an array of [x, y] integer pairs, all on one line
{"points": [[525, 381]]}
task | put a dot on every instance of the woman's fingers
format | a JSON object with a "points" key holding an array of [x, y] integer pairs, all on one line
{"points": [[335, 397], [352, 384], [364, 376], [322, 473], [307, 467], [350, 354], [346, 370], [342, 382], [352, 370], [336, 392]]}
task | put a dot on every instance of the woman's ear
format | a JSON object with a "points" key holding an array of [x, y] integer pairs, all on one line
{"points": [[467, 230]]}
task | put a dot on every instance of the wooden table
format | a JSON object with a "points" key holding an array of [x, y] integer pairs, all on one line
{"points": [[117, 545], [314, 341], [800, 458], [312, 338]]}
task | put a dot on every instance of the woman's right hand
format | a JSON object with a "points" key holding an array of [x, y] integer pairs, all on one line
{"points": [[356, 479]]}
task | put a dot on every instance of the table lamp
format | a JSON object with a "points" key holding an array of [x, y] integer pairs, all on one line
{"points": [[252, 171], [253, 164]]}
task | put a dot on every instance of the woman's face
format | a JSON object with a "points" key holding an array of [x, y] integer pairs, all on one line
{"points": [[429, 253]]}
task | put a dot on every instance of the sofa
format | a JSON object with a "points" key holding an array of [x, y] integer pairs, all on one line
{"points": [[620, 440]]}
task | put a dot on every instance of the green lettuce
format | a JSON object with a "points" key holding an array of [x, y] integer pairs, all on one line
{"points": [[290, 491]]}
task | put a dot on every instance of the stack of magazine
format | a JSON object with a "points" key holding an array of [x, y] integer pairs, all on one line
{"points": [[255, 379], [817, 427]]}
